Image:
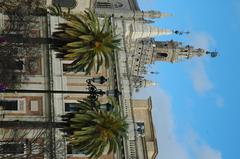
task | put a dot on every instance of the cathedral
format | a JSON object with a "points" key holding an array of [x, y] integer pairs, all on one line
{"points": [[138, 49]]}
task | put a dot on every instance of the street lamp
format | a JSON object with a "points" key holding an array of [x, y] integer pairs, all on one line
{"points": [[92, 89], [99, 80]]}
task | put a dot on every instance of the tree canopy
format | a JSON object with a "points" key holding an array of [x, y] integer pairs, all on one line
{"points": [[86, 40], [94, 131]]}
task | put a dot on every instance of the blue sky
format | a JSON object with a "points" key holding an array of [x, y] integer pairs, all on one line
{"points": [[196, 106]]}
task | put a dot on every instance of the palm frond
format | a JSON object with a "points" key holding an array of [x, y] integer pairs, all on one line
{"points": [[86, 41], [96, 130]]}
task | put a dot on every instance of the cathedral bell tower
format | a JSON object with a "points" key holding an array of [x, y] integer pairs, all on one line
{"points": [[172, 51]]}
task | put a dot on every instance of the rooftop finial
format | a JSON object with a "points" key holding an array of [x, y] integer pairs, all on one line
{"points": [[212, 53], [180, 32], [153, 72]]}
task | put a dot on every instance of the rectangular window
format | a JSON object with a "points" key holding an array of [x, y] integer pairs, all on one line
{"points": [[67, 68], [103, 5], [140, 128], [72, 150], [11, 105], [18, 65], [71, 107], [12, 148]]}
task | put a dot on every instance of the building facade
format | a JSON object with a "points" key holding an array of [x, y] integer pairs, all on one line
{"points": [[42, 71]]}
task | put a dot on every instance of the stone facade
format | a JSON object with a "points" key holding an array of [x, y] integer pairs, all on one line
{"points": [[138, 49], [145, 139]]}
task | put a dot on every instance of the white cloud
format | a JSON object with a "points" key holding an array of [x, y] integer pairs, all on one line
{"points": [[164, 124], [199, 149], [202, 40], [206, 152], [170, 147], [201, 82]]}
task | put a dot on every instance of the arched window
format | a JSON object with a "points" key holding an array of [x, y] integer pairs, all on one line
{"points": [[162, 54]]}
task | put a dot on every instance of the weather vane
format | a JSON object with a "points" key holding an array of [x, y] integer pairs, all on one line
{"points": [[180, 32], [212, 53]]}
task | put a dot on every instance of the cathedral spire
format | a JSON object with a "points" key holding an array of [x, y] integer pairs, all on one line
{"points": [[155, 14], [148, 31]]}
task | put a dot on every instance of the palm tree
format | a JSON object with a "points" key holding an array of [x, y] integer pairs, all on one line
{"points": [[83, 39], [56, 10], [92, 130], [86, 41]]}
